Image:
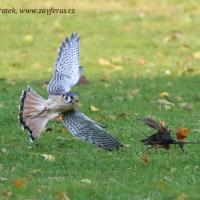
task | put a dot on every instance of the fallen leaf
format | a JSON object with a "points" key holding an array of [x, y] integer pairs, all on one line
{"points": [[48, 157], [83, 81], [127, 145], [186, 106], [18, 183], [122, 115], [86, 181], [94, 109], [61, 196], [144, 158], [164, 95], [196, 55], [6, 193], [167, 104], [141, 62], [182, 133], [103, 61], [182, 196]]}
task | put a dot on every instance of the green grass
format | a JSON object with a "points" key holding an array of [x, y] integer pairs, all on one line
{"points": [[165, 34]]}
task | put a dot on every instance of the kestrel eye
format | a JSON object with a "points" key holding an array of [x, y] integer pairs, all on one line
{"points": [[67, 99]]}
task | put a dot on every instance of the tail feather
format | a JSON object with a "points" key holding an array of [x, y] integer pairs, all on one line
{"points": [[31, 105]]}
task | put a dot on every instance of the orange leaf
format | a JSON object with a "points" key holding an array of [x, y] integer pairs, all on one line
{"points": [[18, 183], [182, 133]]}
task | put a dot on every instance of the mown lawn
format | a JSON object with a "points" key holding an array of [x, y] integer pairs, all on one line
{"points": [[131, 51]]}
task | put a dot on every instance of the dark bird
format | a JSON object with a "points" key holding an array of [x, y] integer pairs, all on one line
{"points": [[162, 138]]}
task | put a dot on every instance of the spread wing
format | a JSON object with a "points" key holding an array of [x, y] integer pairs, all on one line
{"points": [[87, 129], [67, 68], [153, 124]]}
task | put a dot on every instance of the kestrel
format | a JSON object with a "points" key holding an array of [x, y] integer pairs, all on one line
{"points": [[35, 111]]}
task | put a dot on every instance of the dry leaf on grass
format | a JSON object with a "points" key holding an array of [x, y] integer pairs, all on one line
{"points": [[6, 193], [94, 109], [61, 196], [182, 133], [141, 62], [48, 157], [144, 158], [164, 95], [86, 181], [18, 183]]}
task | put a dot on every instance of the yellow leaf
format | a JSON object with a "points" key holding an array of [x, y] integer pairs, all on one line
{"points": [[48, 157], [94, 109], [18, 183], [164, 94]]}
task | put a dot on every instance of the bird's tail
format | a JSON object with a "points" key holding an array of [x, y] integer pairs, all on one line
{"points": [[31, 116]]}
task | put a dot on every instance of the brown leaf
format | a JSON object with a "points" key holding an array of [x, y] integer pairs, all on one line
{"points": [[186, 106], [18, 183], [6, 193], [122, 115], [182, 133], [83, 81], [61, 196], [144, 158], [94, 109]]}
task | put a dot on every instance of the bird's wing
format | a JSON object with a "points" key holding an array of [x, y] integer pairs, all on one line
{"points": [[89, 130], [153, 124], [67, 68]]}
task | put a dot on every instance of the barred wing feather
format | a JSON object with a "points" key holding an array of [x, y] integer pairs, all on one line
{"points": [[87, 129]]}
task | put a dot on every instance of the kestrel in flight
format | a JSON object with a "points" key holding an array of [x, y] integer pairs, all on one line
{"points": [[35, 111]]}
